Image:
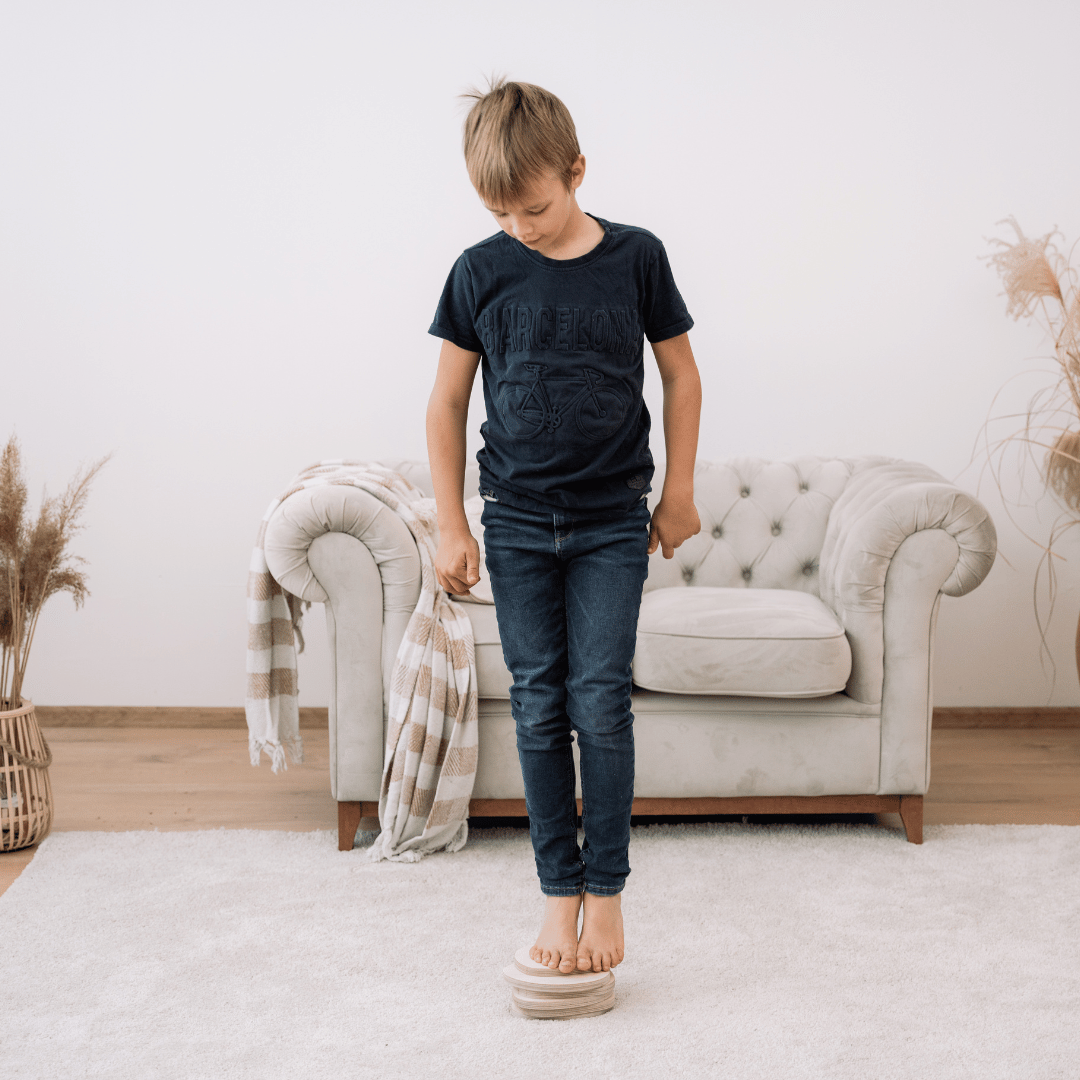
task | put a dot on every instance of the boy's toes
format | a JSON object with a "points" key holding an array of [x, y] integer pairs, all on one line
{"points": [[584, 959], [564, 959]]}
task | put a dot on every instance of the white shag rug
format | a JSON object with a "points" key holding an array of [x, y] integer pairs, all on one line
{"points": [[778, 951]]}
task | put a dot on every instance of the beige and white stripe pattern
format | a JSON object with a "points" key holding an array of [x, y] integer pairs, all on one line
{"points": [[270, 702], [432, 729]]}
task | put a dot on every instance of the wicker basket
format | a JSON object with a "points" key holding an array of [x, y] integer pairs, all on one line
{"points": [[25, 793]]}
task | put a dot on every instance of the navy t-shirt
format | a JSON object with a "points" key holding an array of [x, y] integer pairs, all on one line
{"points": [[562, 354]]}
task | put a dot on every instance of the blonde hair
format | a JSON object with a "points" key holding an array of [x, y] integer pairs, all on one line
{"points": [[514, 133]]}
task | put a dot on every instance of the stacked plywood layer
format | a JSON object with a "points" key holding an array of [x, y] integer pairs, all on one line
{"points": [[542, 994]]}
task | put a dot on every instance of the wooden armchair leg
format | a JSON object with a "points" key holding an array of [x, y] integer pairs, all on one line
{"points": [[911, 816], [348, 821]]}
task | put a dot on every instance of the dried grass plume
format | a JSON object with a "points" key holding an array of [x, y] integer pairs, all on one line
{"points": [[1041, 284], [1029, 269], [34, 563]]}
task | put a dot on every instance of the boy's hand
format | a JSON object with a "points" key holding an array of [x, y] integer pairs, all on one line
{"points": [[457, 562], [673, 521]]}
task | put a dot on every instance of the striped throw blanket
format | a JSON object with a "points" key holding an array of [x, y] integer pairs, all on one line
{"points": [[432, 729]]}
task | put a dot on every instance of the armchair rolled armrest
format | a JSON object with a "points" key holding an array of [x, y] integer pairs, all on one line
{"points": [[342, 546], [898, 537]]}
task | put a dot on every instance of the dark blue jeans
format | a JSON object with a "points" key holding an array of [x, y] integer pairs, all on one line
{"points": [[567, 592]]}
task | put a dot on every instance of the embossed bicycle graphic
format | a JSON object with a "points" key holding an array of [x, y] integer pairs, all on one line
{"points": [[598, 408]]}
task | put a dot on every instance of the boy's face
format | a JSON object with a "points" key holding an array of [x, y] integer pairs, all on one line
{"points": [[541, 219]]}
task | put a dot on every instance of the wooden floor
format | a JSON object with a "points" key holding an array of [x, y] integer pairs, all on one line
{"points": [[114, 779]]}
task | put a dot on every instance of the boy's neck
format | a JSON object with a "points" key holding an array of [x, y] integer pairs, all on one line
{"points": [[581, 235]]}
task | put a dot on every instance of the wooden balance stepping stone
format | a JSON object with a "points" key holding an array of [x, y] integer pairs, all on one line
{"points": [[542, 994]]}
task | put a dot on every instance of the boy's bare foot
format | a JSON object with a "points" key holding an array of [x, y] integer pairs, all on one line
{"points": [[600, 947], [556, 946]]}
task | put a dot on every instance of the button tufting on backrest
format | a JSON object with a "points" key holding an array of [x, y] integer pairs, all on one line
{"points": [[742, 503], [808, 569], [747, 573], [688, 575]]}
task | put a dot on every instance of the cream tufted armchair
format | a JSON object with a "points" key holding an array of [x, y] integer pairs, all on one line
{"points": [[785, 654]]}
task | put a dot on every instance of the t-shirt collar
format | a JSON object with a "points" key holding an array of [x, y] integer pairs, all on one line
{"points": [[568, 264]]}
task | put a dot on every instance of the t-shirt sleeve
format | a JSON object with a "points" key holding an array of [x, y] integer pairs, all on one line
{"points": [[664, 312], [454, 316]]}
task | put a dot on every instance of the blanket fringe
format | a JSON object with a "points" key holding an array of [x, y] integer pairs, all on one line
{"points": [[275, 751]]}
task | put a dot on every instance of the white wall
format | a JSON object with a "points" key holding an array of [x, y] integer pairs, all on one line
{"points": [[224, 227]]}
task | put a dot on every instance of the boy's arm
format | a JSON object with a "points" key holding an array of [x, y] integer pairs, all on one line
{"points": [[675, 518], [457, 560]]}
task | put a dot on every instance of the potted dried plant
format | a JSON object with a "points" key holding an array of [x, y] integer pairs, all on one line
{"points": [[34, 565], [1041, 285]]}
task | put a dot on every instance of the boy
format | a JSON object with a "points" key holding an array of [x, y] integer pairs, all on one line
{"points": [[555, 307]]}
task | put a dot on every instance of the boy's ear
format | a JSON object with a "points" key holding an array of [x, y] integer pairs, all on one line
{"points": [[577, 172]]}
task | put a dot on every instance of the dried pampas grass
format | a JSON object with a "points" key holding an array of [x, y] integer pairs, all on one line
{"points": [[1063, 469], [1041, 283], [1030, 269], [34, 564]]}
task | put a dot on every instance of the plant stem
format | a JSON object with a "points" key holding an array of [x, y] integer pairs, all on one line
{"points": [[36, 609], [16, 623]]}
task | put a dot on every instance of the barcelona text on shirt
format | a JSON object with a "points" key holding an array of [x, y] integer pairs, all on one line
{"points": [[521, 328]]}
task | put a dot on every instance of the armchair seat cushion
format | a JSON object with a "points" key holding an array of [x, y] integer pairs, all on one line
{"points": [[493, 678], [749, 642]]}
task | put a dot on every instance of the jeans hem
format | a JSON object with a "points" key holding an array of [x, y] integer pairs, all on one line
{"points": [[605, 890], [560, 890]]}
